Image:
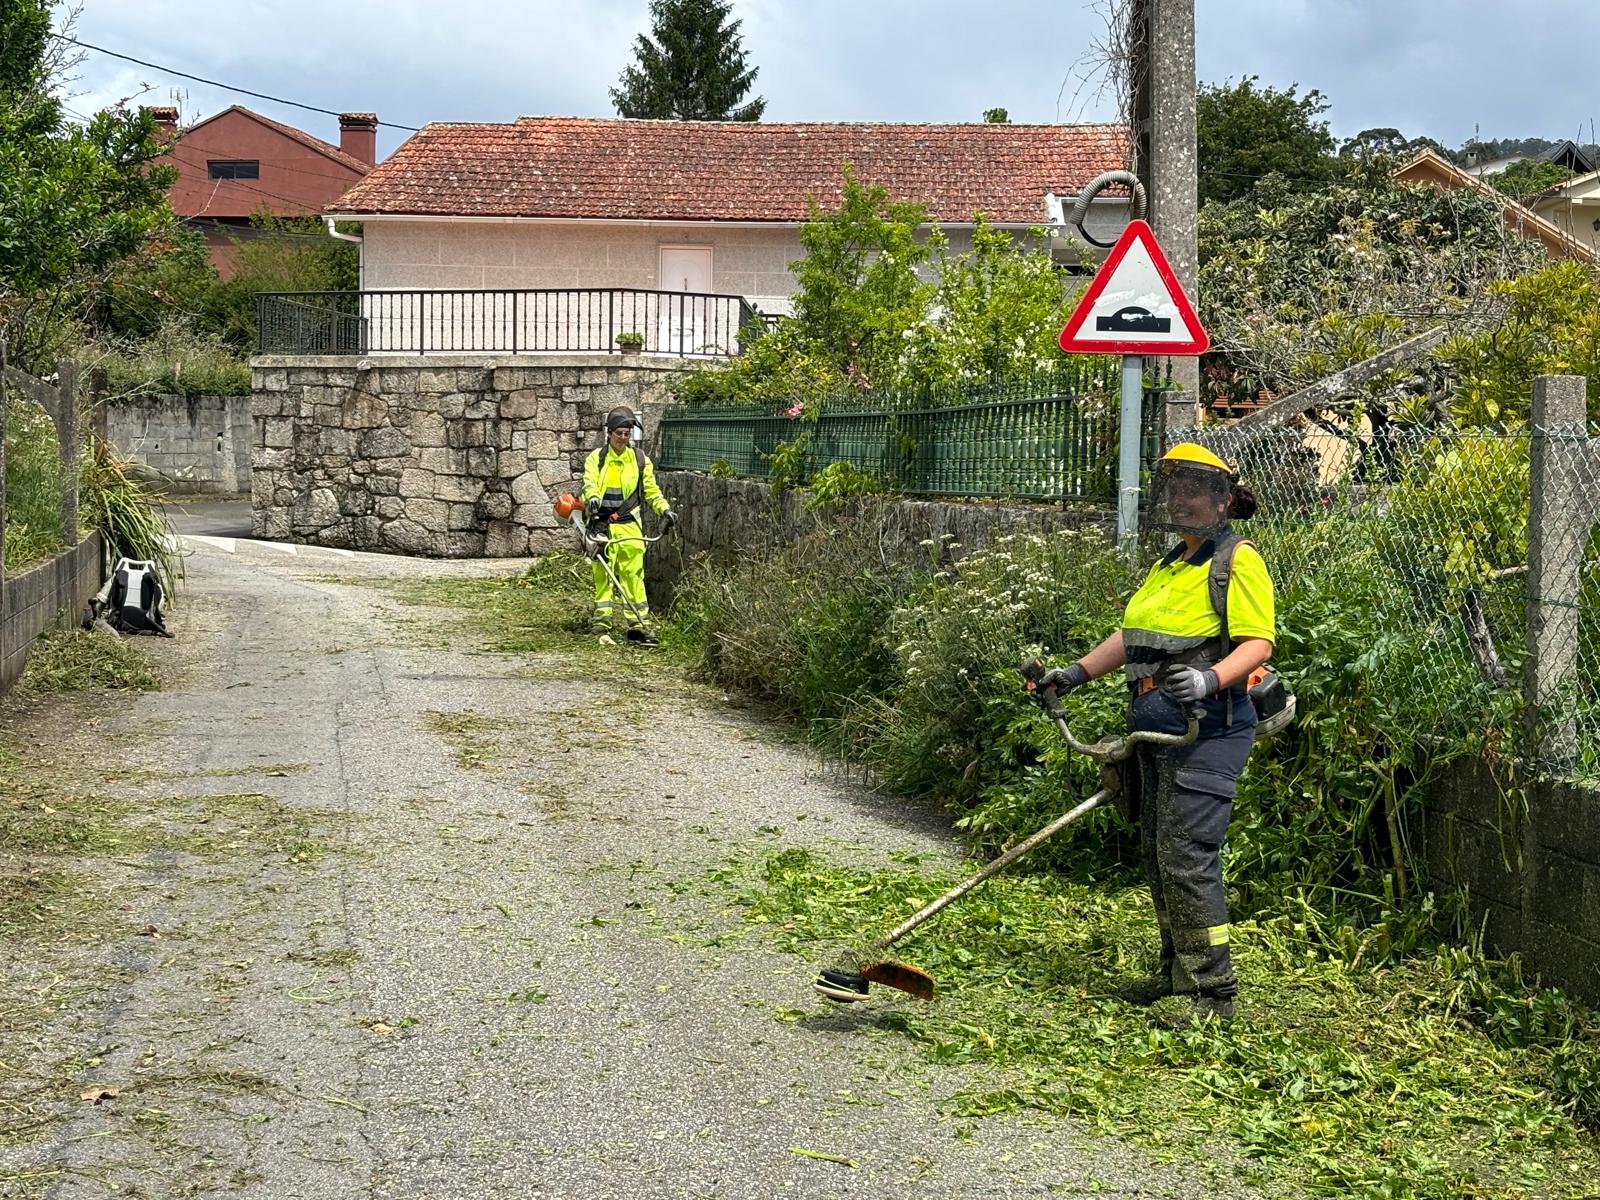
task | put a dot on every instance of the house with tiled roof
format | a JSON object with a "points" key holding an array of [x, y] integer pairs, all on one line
{"points": [[706, 209], [1531, 222], [238, 162]]}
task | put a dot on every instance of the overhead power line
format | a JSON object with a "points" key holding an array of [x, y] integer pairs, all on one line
{"points": [[227, 87]]}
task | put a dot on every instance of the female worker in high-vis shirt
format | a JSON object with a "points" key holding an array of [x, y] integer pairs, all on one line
{"points": [[1190, 638]]}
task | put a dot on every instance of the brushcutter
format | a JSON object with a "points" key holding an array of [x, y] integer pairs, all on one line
{"points": [[596, 542], [848, 982]]}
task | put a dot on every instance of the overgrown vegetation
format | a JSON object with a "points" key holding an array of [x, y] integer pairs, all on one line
{"points": [[33, 485], [1295, 285]]}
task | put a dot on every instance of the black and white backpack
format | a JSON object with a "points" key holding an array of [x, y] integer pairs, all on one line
{"points": [[131, 600]]}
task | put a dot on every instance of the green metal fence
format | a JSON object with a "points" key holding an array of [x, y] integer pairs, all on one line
{"points": [[1052, 447]]}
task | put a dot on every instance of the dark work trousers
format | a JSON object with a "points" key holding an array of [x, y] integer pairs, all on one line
{"points": [[1186, 801]]}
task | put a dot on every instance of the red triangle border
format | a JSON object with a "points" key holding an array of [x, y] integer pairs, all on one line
{"points": [[1072, 343]]}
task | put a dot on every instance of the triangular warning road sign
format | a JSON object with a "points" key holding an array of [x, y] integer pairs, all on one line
{"points": [[1135, 305]]}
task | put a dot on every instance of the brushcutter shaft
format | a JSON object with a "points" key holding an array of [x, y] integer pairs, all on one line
{"points": [[1000, 864]]}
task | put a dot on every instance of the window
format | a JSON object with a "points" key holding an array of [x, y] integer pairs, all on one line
{"points": [[235, 168]]}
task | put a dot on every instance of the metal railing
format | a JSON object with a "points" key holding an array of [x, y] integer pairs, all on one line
{"points": [[1053, 448], [524, 321]]}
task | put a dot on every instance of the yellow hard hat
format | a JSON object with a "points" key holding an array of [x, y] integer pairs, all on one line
{"points": [[1198, 455]]}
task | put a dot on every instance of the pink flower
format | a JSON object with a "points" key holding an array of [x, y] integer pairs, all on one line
{"points": [[796, 409]]}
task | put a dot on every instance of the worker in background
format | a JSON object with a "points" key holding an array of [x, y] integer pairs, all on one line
{"points": [[618, 481], [1192, 634]]}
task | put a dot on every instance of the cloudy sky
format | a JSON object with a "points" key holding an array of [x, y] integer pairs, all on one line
{"points": [[1440, 67]]}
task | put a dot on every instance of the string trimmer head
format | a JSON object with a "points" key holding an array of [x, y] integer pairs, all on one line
{"points": [[844, 986]]}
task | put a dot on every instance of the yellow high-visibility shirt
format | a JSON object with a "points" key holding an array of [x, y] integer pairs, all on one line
{"points": [[1174, 602], [611, 477]]}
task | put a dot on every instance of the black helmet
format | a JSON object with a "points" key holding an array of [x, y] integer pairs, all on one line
{"points": [[620, 418]]}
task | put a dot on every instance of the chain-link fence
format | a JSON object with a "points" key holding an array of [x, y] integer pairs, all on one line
{"points": [[1468, 551]]}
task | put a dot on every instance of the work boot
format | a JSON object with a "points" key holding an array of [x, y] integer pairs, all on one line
{"points": [[1210, 1007], [1146, 991], [598, 629], [644, 635]]}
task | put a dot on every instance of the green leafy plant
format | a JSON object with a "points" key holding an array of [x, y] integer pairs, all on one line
{"points": [[790, 464], [1550, 326], [841, 481], [721, 469], [630, 339]]}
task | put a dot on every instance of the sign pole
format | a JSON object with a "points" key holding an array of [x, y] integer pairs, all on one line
{"points": [[1128, 454]]}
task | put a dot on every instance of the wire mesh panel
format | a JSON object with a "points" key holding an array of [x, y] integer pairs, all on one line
{"points": [[1422, 533]]}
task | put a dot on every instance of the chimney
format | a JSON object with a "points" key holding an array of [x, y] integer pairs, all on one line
{"points": [[166, 119], [358, 136]]}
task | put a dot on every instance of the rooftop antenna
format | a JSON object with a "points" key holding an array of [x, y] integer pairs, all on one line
{"points": [[180, 100]]}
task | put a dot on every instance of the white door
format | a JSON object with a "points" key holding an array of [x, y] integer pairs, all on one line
{"points": [[683, 321]]}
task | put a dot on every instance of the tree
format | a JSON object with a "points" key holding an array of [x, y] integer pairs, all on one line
{"points": [[996, 116], [74, 200], [690, 68], [1528, 176], [1389, 145], [1295, 285], [1247, 132]]}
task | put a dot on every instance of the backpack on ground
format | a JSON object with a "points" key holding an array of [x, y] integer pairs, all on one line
{"points": [[131, 600], [1274, 702]]}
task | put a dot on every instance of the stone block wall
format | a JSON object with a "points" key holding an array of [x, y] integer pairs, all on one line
{"points": [[198, 443], [451, 456], [29, 602], [1532, 879]]}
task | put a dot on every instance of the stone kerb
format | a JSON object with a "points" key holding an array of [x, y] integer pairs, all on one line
{"points": [[457, 456]]}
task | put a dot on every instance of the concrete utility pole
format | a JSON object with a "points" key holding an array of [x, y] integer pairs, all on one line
{"points": [[1165, 134]]}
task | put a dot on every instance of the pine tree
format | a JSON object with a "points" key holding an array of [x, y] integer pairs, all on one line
{"points": [[690, 68]]}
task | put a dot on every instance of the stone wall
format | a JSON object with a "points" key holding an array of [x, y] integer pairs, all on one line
{"points": [[723, 516], [456, 455], [31, 601], [1532, 879], [198, 443]]}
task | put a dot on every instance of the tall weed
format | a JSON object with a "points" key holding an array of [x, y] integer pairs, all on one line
{"points": [[33, 485]]}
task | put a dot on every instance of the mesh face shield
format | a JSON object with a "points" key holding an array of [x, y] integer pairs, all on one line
{"points": [[1190, 498]]}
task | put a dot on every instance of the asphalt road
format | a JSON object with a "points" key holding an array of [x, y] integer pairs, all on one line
{"points": [[458, 958]]}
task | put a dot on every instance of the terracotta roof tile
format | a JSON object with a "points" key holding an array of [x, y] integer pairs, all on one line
{"points": [[731, 171]]}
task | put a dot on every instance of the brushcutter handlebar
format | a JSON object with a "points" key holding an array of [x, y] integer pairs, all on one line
{"points": [[1109, 749]]}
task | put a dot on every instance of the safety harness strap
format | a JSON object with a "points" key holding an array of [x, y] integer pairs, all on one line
{"points": [[630, 504]]}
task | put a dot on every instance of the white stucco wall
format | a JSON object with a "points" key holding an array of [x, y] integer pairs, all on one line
{"points": [[753, 263], [1575, 211]]}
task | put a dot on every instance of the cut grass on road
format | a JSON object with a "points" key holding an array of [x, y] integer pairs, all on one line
{"points": [[1436, 1076], [1432, 1077]]}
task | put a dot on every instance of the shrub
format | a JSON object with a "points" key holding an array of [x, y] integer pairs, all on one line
{"points": [[803, 625], [178, 360]]}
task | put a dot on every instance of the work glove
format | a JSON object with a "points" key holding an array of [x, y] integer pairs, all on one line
{"points": [[592, 508], [1186, 684], [669, 519], [1058, 682]]}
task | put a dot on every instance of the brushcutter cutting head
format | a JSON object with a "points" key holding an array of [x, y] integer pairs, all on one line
{"points": [[840, 986], [844, 986]]}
